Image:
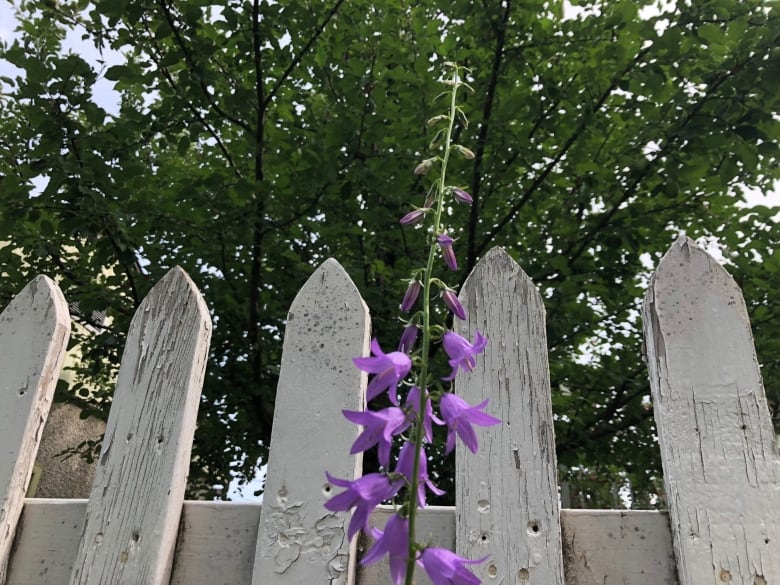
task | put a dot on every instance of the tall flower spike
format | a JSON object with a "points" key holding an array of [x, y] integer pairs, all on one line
{"points": [[445, 244], [389, 368], [460, 416], [461, 352], [417, 414]]}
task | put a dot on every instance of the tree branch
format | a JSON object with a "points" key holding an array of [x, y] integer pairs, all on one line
{"points": [[156, 56], [490, 96], [190, 61], [297, 59], [258, 226], [541, 177]]}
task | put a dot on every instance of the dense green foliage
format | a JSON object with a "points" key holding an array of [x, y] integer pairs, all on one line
{"points": [[255, 139]]}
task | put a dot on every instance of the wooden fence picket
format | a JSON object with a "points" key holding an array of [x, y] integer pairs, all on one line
{"points": [[721, 465], [507, 494], [721, 469], [299, 541], [133, 512], [34, 332]]}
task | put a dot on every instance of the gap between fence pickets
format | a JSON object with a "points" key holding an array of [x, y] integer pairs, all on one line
{"points": [[217, 540]]}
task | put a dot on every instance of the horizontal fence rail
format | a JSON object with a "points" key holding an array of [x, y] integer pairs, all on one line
{"points": [[718, 449], [217, 541]]}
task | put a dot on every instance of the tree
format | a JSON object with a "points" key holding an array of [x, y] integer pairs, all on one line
{"points": [[255, 139]]}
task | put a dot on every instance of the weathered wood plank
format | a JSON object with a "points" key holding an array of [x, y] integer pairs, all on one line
{"points": [[717, 444], [34, 332], [47, 542], [435, 525], [217, 544], [612, 547], [507, 494], [198, 557], [328, 325], [135, 504]]}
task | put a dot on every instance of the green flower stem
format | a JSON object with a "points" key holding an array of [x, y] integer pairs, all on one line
{"points": [[426, 340]]}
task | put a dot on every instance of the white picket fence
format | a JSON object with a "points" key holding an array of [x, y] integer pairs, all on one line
{"points": [[718, 447]]}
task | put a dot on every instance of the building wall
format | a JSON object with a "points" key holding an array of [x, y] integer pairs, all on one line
{"points": [[58, 476]]}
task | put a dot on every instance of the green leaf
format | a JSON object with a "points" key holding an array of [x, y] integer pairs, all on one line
{"points": [[117, 72], [711, 33], [183, 145], [597, 140]]}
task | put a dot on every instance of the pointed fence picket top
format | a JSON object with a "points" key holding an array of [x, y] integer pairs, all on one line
{"points": [[717, 444], [34, 332], [507, 494], [328, 324], [133, 512]]}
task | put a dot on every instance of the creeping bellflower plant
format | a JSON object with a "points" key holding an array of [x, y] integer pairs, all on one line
{"points": [[419, 389]]}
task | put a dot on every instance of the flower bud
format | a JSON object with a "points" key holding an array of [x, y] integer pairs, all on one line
{"points": [[461, 196], [466, 152], [453, 303], [408, 339], [423, 167], [436, 119], [413, 217], [411, 296], [436, 138], [445, 244]]}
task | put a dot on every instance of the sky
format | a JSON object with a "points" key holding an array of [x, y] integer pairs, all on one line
{"points": [[104, 93]]}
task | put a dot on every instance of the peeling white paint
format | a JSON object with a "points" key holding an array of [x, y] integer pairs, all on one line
{"points": [[507, 493], [327, 326], [34, 332], [718, 447], [133, 512]]}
